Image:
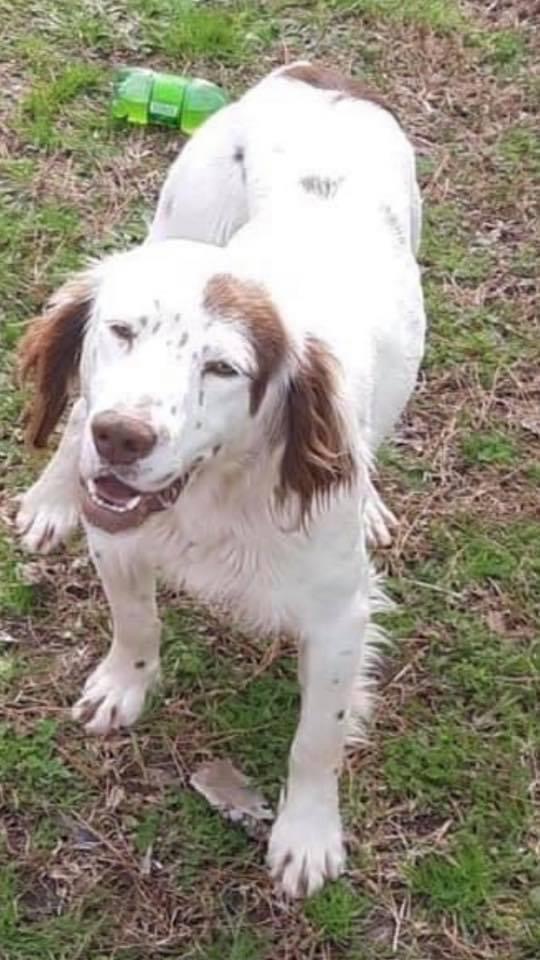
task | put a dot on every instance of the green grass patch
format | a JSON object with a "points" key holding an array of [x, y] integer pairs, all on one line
{"points": [[486, 337], [183, 29], [444, 763], [532, 472], [50, 100], [47, 236], [461, 882], [485, 447], [196, 836], [257, 723], [16, 597], [470, 554], [10, 668], [434, 763], [189, 658], [519, 150], [446, 250], [442, 16], [55, 938], [500, 554], [487, 671], [32, 771], [240, 944], [524, 261], [147, 830], [337, 912], [505, 50], [412, 473]]}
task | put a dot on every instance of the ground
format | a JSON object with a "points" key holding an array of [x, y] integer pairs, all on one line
{"points": [[105, 852]]}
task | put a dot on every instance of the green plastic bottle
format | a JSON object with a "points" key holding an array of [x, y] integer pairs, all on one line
{"points": [[145, 96]]}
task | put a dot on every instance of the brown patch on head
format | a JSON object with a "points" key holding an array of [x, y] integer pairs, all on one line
{"points": [[326, 78], [235, 299], [49, 355], [317, 458]]}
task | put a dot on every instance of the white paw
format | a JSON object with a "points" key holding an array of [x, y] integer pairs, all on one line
{"points": [[114, 694], [379, 521], [306, 848], [42, 524]]}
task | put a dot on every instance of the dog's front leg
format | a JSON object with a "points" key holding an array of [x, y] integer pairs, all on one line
{"points": [[115, 692], [49, 510], [306, 844]]}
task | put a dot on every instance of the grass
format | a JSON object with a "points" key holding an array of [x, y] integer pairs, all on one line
{"points": [[16, 597], [461, 883], [31, 767], [105, 852], [438, 15], [489, 447], [337, 912]]}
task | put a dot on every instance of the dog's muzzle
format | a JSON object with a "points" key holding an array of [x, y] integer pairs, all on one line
{"points": [[114, 506]]}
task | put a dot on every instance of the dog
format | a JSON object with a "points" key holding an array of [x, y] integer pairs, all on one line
{"points": [[234, 377]]}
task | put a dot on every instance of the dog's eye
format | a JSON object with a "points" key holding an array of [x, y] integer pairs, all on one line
{"points": [[123, 332], [220, 368]]}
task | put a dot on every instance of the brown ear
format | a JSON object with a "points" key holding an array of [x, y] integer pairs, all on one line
{"points": [[317, 458], [49, 355]]}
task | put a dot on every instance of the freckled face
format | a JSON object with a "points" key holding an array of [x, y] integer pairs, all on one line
{"points": [[174, 368], [186, 375]]}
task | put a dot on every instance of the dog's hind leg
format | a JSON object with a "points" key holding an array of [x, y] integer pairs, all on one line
{"points": [[379, 521]]}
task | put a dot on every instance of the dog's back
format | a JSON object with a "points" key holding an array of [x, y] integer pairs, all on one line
{"points": [[302, 128]]}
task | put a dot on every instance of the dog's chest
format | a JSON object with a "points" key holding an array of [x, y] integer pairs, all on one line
{"points": [[228, 553]]}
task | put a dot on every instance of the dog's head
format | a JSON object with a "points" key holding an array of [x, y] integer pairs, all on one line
{"points": [[181, 362]]}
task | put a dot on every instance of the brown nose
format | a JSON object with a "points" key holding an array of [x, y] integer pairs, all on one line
{"points": [[121, 439]]}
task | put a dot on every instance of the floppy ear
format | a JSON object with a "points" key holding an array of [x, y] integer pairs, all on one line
{"points": [[49, 355], [318, 457]]}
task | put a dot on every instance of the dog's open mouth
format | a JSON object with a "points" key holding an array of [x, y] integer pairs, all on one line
{"points": [[113, 505]]}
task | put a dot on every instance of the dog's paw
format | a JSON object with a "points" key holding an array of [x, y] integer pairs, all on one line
{"points": [[114, 694], [43, 524], [305, 849], [379, 521]]}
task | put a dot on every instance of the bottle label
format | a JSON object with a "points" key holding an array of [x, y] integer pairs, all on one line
{"points": [[160, 109]]}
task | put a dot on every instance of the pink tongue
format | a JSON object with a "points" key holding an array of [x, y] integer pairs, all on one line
{"points": [[113, 490]]}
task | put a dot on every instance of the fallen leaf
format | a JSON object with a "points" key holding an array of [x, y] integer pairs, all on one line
{"points": [[115, 797], [532, 425], [495, 622], [230, 792]]}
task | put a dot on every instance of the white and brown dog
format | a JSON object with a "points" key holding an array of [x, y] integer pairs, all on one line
{"points": [[230, 401]]}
